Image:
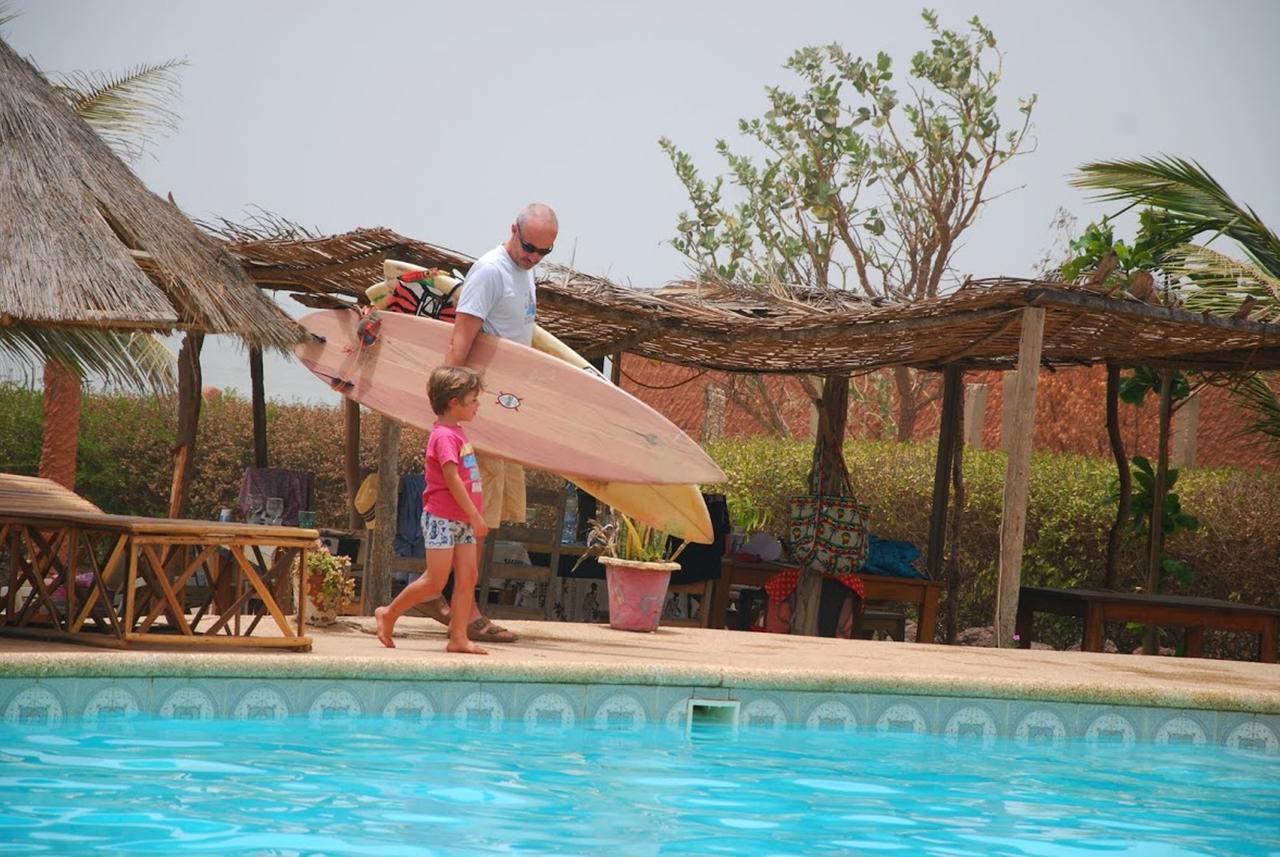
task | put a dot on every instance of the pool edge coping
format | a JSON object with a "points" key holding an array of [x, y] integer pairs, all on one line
{"points": [[42, 665]]}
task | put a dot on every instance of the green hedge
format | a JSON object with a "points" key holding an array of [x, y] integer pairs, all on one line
{"points": [[125, 466], [1234, 555]]}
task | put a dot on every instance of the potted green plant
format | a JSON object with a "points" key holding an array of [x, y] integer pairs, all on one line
{"points": [[329, 585], [637, 568]]}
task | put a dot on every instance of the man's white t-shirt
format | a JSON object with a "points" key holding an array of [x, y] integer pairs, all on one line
{"points": [[501, 293]]}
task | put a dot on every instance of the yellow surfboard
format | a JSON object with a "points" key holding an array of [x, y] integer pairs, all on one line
{"points": [[677, 509]]}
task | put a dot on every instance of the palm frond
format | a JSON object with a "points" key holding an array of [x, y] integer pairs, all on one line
{"points": [[128, 109], [1186, 190], [1220, 285], [1256, 394], [136, 360], [6, 15]]}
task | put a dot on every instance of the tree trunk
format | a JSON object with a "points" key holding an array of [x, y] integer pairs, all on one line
{"points": [[184, 450], [908, 403], [830, 475], [1161, 487], [61, 432], [1116, 534]]}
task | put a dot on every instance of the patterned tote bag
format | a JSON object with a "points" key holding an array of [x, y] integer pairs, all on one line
{"points": [[829, 532]]}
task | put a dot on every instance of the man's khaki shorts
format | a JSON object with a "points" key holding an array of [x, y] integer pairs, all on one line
{"points": [[502, 482]]}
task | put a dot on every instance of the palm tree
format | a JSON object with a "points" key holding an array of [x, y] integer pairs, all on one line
{"points": [[1217, 283], [126, 110]]}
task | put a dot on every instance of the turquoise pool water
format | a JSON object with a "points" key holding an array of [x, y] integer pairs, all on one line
{"points": [[388, 787]]}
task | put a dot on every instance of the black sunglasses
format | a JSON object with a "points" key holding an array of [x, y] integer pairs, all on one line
{"points": [[529, 248]]}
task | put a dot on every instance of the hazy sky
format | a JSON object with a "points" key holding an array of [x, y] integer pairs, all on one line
{"points": [[439, 120]]}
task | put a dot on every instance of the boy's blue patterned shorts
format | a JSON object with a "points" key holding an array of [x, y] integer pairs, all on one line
{"points": [[443, 534]]}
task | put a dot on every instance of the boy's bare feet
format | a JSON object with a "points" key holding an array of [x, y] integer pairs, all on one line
{"points": [[384, 630], [467, 648]]}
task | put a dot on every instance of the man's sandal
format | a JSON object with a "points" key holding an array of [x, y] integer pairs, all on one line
{"points": [[484, 631], [437, 608]]}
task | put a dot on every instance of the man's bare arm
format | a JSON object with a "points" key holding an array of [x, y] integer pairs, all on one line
{"points": [[465, 328]]}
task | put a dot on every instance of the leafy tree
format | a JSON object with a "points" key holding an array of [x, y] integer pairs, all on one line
{"points": [[854, 185], [847, 184]]}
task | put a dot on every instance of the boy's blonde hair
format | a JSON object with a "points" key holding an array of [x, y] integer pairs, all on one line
{"points": [[451, 382]]}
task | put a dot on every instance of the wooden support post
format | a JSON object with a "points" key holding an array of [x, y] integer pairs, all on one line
{"points": [[1017, 475], [948, 429], [975, 414], [1186, 428], [259, 408], [351, 459], [1155, 544], [713, 412], [377, 572]]}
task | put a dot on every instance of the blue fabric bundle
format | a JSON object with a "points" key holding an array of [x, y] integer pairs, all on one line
{"points": [[892, 558]]}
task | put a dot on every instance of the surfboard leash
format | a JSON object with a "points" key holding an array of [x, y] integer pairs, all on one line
{"points": [[368, 331]]}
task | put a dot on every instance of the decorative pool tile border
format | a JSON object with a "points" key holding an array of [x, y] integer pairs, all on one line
{"points": [[484, 706]]}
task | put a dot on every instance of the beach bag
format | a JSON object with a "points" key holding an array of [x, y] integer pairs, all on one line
{"points": [[829, 533]]}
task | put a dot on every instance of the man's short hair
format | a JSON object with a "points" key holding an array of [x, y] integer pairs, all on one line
{"points": [[539, 212], [451, 382]]}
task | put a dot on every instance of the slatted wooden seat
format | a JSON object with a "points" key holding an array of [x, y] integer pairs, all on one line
{"points": [[63, 561], [542, 540]]}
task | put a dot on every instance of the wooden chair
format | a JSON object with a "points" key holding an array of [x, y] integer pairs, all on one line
{"points": [[704, 590], [541, 535]]}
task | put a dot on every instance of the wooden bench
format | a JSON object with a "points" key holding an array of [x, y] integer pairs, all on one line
{"points": [[909, 590], [1097, 607], [64, 562]]}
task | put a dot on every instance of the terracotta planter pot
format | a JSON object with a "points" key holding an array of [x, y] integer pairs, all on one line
{"points": [[637, 592], [319, 617]]}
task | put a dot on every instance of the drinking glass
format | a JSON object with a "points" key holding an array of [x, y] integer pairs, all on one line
{"points": [[275, 510], [255, 514]]}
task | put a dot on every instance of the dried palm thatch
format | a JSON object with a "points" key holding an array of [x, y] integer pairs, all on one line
{"points": [[85, 244], [783, 329]]}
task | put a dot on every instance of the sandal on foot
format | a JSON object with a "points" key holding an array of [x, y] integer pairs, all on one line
{"points": [[436, 608], [484, 631]]}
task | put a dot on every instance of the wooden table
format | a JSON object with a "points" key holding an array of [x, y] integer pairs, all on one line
{"points": [[73, 572], [911, 590], [1097, 607]]}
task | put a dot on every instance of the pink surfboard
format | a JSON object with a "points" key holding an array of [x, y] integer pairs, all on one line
{"points": [[536, 409]]}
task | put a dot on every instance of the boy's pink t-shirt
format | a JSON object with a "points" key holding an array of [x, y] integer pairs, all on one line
{"points": [[449, 443]]}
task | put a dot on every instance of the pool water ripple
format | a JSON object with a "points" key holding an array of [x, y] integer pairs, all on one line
{"points": [[389, 787]]}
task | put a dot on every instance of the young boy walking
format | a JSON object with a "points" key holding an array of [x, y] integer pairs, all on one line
{"points": [[453, 510]]}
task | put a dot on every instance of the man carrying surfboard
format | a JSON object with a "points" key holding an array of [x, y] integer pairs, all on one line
{"points": [[499, 296]]}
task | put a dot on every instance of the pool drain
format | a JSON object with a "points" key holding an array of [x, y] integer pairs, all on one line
{"points": [[709, 714]]}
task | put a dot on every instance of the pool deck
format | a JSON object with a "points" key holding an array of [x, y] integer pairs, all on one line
{"points": [[550, 652]]}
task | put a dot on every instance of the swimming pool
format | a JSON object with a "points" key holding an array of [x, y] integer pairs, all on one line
{"points": [[468, 785]]}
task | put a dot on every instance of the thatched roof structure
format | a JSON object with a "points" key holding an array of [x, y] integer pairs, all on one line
{"points": [[796, 330], [84, 243]]}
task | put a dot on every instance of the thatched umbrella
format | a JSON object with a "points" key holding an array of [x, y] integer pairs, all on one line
{"points": [[85, 247]]}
